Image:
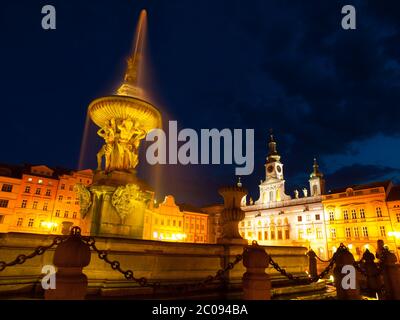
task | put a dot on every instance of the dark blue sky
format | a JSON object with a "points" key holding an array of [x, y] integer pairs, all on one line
{"points": [[260, 64]]}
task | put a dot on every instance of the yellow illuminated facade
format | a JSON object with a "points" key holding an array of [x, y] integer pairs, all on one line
{"points": [[358, 216], [170, 222], [38, 199]]}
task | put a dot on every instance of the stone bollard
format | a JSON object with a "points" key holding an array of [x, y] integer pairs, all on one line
{"points": [[70, 258], [390, 273], [374, 283], [312, 263], [345, 258], [256, 283]]}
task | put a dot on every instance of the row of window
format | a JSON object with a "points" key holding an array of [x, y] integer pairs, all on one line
{"points": [[31, 223], [268, 235], [174, 223], [38, 191], [355, 232], [66, 213], [353, 214]]}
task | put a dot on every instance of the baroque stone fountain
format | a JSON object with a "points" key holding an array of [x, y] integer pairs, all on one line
{"points": [[115, 204]]}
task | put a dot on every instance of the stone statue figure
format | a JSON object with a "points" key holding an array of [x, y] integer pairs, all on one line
{"points": [[296, 194], [122, 139], [85, 199], [108, 134], [305, 192]]}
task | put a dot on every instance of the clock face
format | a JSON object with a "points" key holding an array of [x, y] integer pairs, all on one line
{"points": [[270, 169], [279, 169]]}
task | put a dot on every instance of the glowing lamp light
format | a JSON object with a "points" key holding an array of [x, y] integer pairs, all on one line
{"points": [[331, 278], [394, 234], [350, 246], [366, 246], [155, 234], [334, 249], [49, 224]]}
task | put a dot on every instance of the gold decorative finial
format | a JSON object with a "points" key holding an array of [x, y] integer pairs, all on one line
{"points": [[130, 86]]}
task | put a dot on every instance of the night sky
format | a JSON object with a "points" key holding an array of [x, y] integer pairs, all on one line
{"points": [[288, 65]]}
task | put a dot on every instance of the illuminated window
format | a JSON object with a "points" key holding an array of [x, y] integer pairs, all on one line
{"points": [[38, 191], [333, 233], [243, 235], [272, 235], [30, 179], [265, 235], [398, 217], [379, 212], [353, 214], [317, 217], [71, 188], [20, 221], [259, 235], [76, 202], [249, 223], [308, 217], [74, 215], [348, 233], [48, 193], [1, 219], [383, 231], [69, 200], [66, 214], [7, 187], [34, 206], [299, 218], [345, 215], [3, 203], [249, 234], [60, 198], [168, 222], [365, 232], [62, 187], [319, 233], [180, 223], [45, 206], [57, 213], [287, 234], [301, 234], [162, 222], [362, 213], [242, 224], [356, 232], [30, 222], [309, 231], [331, 216], [27, 189], [40, 181], [279, 234], [174, 223], [24, 203]]}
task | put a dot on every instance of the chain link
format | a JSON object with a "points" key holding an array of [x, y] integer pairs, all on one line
{"points": [[144, 282], [325, 272], [37, 252]]}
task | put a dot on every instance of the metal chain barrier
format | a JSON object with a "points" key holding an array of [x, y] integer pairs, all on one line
{"points": [[325, 272], [144, 282], [37, 252]]}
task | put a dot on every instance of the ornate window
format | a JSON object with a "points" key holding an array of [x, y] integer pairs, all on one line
{"points": [[378, 212]]}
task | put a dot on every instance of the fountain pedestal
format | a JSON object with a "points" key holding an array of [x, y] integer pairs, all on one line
{"points": [[119, 201]]}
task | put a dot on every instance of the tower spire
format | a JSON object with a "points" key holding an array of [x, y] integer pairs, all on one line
{"points": [[130, 85], [273, 154], [316, 172]]}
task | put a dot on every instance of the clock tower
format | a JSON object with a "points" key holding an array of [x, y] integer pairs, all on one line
{"points": [[273, 188]]}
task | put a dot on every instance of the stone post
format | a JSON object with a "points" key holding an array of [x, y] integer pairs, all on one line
{"points": [[345, 258], [312, 263], [232, 214], [256, 283], [390, 272], [374, 282], [70, 258]]}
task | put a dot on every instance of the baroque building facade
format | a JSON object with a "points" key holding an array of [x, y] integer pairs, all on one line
{"points": [[278, 219], [357, 215]]}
